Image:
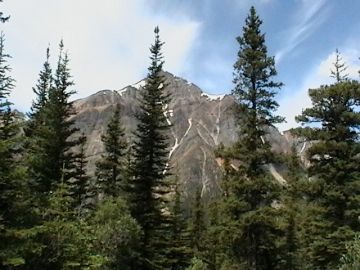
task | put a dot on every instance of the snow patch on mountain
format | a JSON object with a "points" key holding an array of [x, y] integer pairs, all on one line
{"points": [[212, 96], [140, 84], [122, 91]]}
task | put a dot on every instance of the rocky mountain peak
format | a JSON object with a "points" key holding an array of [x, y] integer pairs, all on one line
{"points": [[200, 122]]}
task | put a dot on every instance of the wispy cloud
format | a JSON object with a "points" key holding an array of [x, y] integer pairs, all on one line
{"points": [[311, 14]]}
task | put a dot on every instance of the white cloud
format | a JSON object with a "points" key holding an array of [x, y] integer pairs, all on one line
{"points": [[108, 42], [308, 18], [292, 105]]}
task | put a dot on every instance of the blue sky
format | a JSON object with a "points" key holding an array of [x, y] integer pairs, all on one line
{"points": [[108, 42]]}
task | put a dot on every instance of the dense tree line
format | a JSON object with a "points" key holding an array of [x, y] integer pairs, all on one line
{"points": [[130, 214]]}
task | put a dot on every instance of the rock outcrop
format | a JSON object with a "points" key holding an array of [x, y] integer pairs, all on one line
{"points": [[200, 122]]}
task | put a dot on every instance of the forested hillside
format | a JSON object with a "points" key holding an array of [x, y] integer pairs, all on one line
{"points": [[160, 175]]}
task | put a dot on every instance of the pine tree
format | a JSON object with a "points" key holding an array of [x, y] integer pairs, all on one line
{"points": [[2, 17], [79, 181], [151, 148], [340, 68], [6, 82], [41, 91], [14, 207], [179, 253], [53, 158], [35, 128], [334, 169], [294, 211], [197, 224], [110, 171], [67, 242], [249, 231]]}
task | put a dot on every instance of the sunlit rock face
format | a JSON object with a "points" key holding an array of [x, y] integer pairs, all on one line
{"points": [[200, 122]]}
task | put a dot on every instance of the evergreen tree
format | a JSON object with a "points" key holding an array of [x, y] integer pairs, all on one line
{"points": [[79, 180], [334, 169], [54, 158], [339, 68], [15, 210], [2, 17], [249, 230], [110, 171], [151, 148], [41, 91], [351, 259], [36, 129], [117, 234], [197, 224], [66, 241], [180, 252], [6, 81]]}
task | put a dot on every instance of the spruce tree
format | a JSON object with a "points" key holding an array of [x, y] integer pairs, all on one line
{"points": [[6, 81], [339, 68], [36, 129], [249, 230], [197, 224], [79, 181], [334, 169], [151, 149], [179, 253], [110, 171], [41, 91], [2, 17], [14, 207], [54, 158]]}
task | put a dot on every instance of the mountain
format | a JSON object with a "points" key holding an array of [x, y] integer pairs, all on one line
{"points": [[200, 122]]}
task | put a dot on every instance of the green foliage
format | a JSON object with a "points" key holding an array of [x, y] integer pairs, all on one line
{"points": [[179, 252], [254, 91], [334, 186], [41, 90], [351, 259], [151, 147], [197, 225], [79, 181], [197, 264], [51, 141], [117, 234], [14, 200], [110, 170], [246, 228], [67, 241]]}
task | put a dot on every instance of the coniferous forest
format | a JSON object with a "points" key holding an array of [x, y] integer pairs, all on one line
{"points": [[130, 213]]}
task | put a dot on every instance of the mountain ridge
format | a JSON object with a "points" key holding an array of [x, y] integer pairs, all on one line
{"points": [[200, 122]]}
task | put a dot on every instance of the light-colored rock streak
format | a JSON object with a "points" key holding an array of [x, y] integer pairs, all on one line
{"points": [[202, 136], [273, 170], [176, 145], [276, 175], [187, 131], [208, 131], [217, 124], [177, 142], [166, 112], [303, 148], [204, 179]]}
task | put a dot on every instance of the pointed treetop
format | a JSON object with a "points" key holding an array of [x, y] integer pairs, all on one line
{"points": [[2, 18], [340, 68]]}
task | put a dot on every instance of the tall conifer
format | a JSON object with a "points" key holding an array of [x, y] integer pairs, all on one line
{"points": [[334, 168], [110, 171], [55, 160], [151, 149], [249, 228]]}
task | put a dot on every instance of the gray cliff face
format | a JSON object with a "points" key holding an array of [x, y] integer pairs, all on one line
{"points": [[200, 122]]}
